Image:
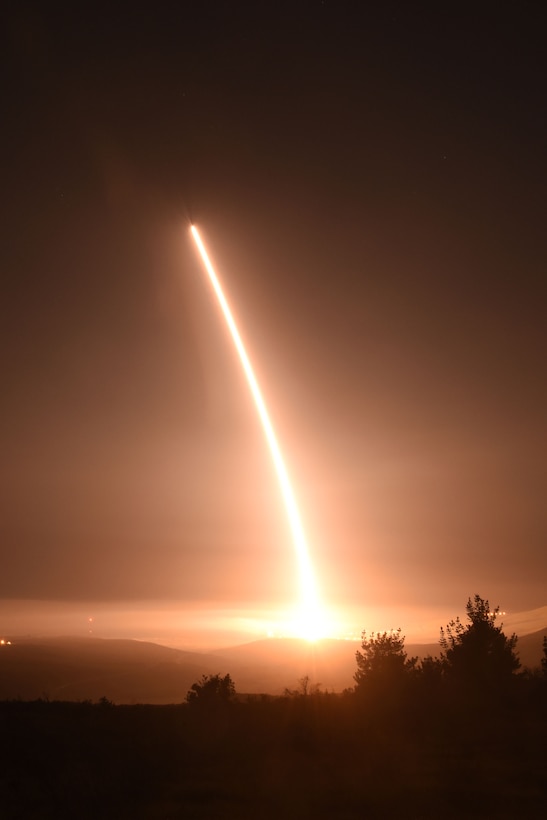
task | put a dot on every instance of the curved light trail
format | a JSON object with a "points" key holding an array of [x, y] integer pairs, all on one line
{"points": [[310, 619]]}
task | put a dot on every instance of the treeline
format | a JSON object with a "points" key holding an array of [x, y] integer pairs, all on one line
{"points": [[477, 665], [458, 736]]}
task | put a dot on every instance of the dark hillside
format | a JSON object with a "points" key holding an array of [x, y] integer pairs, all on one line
{"points": [[87, 669], [128, 671]]}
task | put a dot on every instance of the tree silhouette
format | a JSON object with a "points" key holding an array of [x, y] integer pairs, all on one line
{"points": [[211, 690], [544, 658], [382, 663], [305, 688], [478, 654]]}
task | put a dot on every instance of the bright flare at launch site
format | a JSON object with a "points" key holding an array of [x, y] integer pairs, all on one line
{"points": [[310, 620]]}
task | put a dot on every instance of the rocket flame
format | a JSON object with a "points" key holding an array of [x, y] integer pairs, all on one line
{"points": [[309, 622]]}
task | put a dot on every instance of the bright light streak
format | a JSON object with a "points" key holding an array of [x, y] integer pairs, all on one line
{"points": [[309, 620]]}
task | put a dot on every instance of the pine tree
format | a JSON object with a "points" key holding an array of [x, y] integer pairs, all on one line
{"points": [[383, 667], [478, 653]]}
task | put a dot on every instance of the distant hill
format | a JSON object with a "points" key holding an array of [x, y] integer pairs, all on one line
{"points": [[127, 671], [530, 648]]}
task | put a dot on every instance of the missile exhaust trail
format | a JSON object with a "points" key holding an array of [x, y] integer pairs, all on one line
{"points": [[309, 594]]}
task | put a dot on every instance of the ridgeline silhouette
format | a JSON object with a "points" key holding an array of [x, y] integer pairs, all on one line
{"points": [[459, 735]]}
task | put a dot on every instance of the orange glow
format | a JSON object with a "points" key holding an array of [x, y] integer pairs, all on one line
{"points": [[308, 622]]}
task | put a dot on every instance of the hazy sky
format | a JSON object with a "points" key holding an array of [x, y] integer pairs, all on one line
{"points": [[371, 188]]}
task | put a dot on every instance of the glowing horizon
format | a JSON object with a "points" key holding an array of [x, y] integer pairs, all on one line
{"points": [[309, 621]]}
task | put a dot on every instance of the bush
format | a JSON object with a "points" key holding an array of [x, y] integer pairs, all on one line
{"points": [[383, 667], [211, 690]]}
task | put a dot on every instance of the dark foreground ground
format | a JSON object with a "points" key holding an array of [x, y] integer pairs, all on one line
{"points": [[315, 756]]}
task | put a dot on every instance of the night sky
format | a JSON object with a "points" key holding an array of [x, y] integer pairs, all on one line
{"points": [[370, 182]]}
